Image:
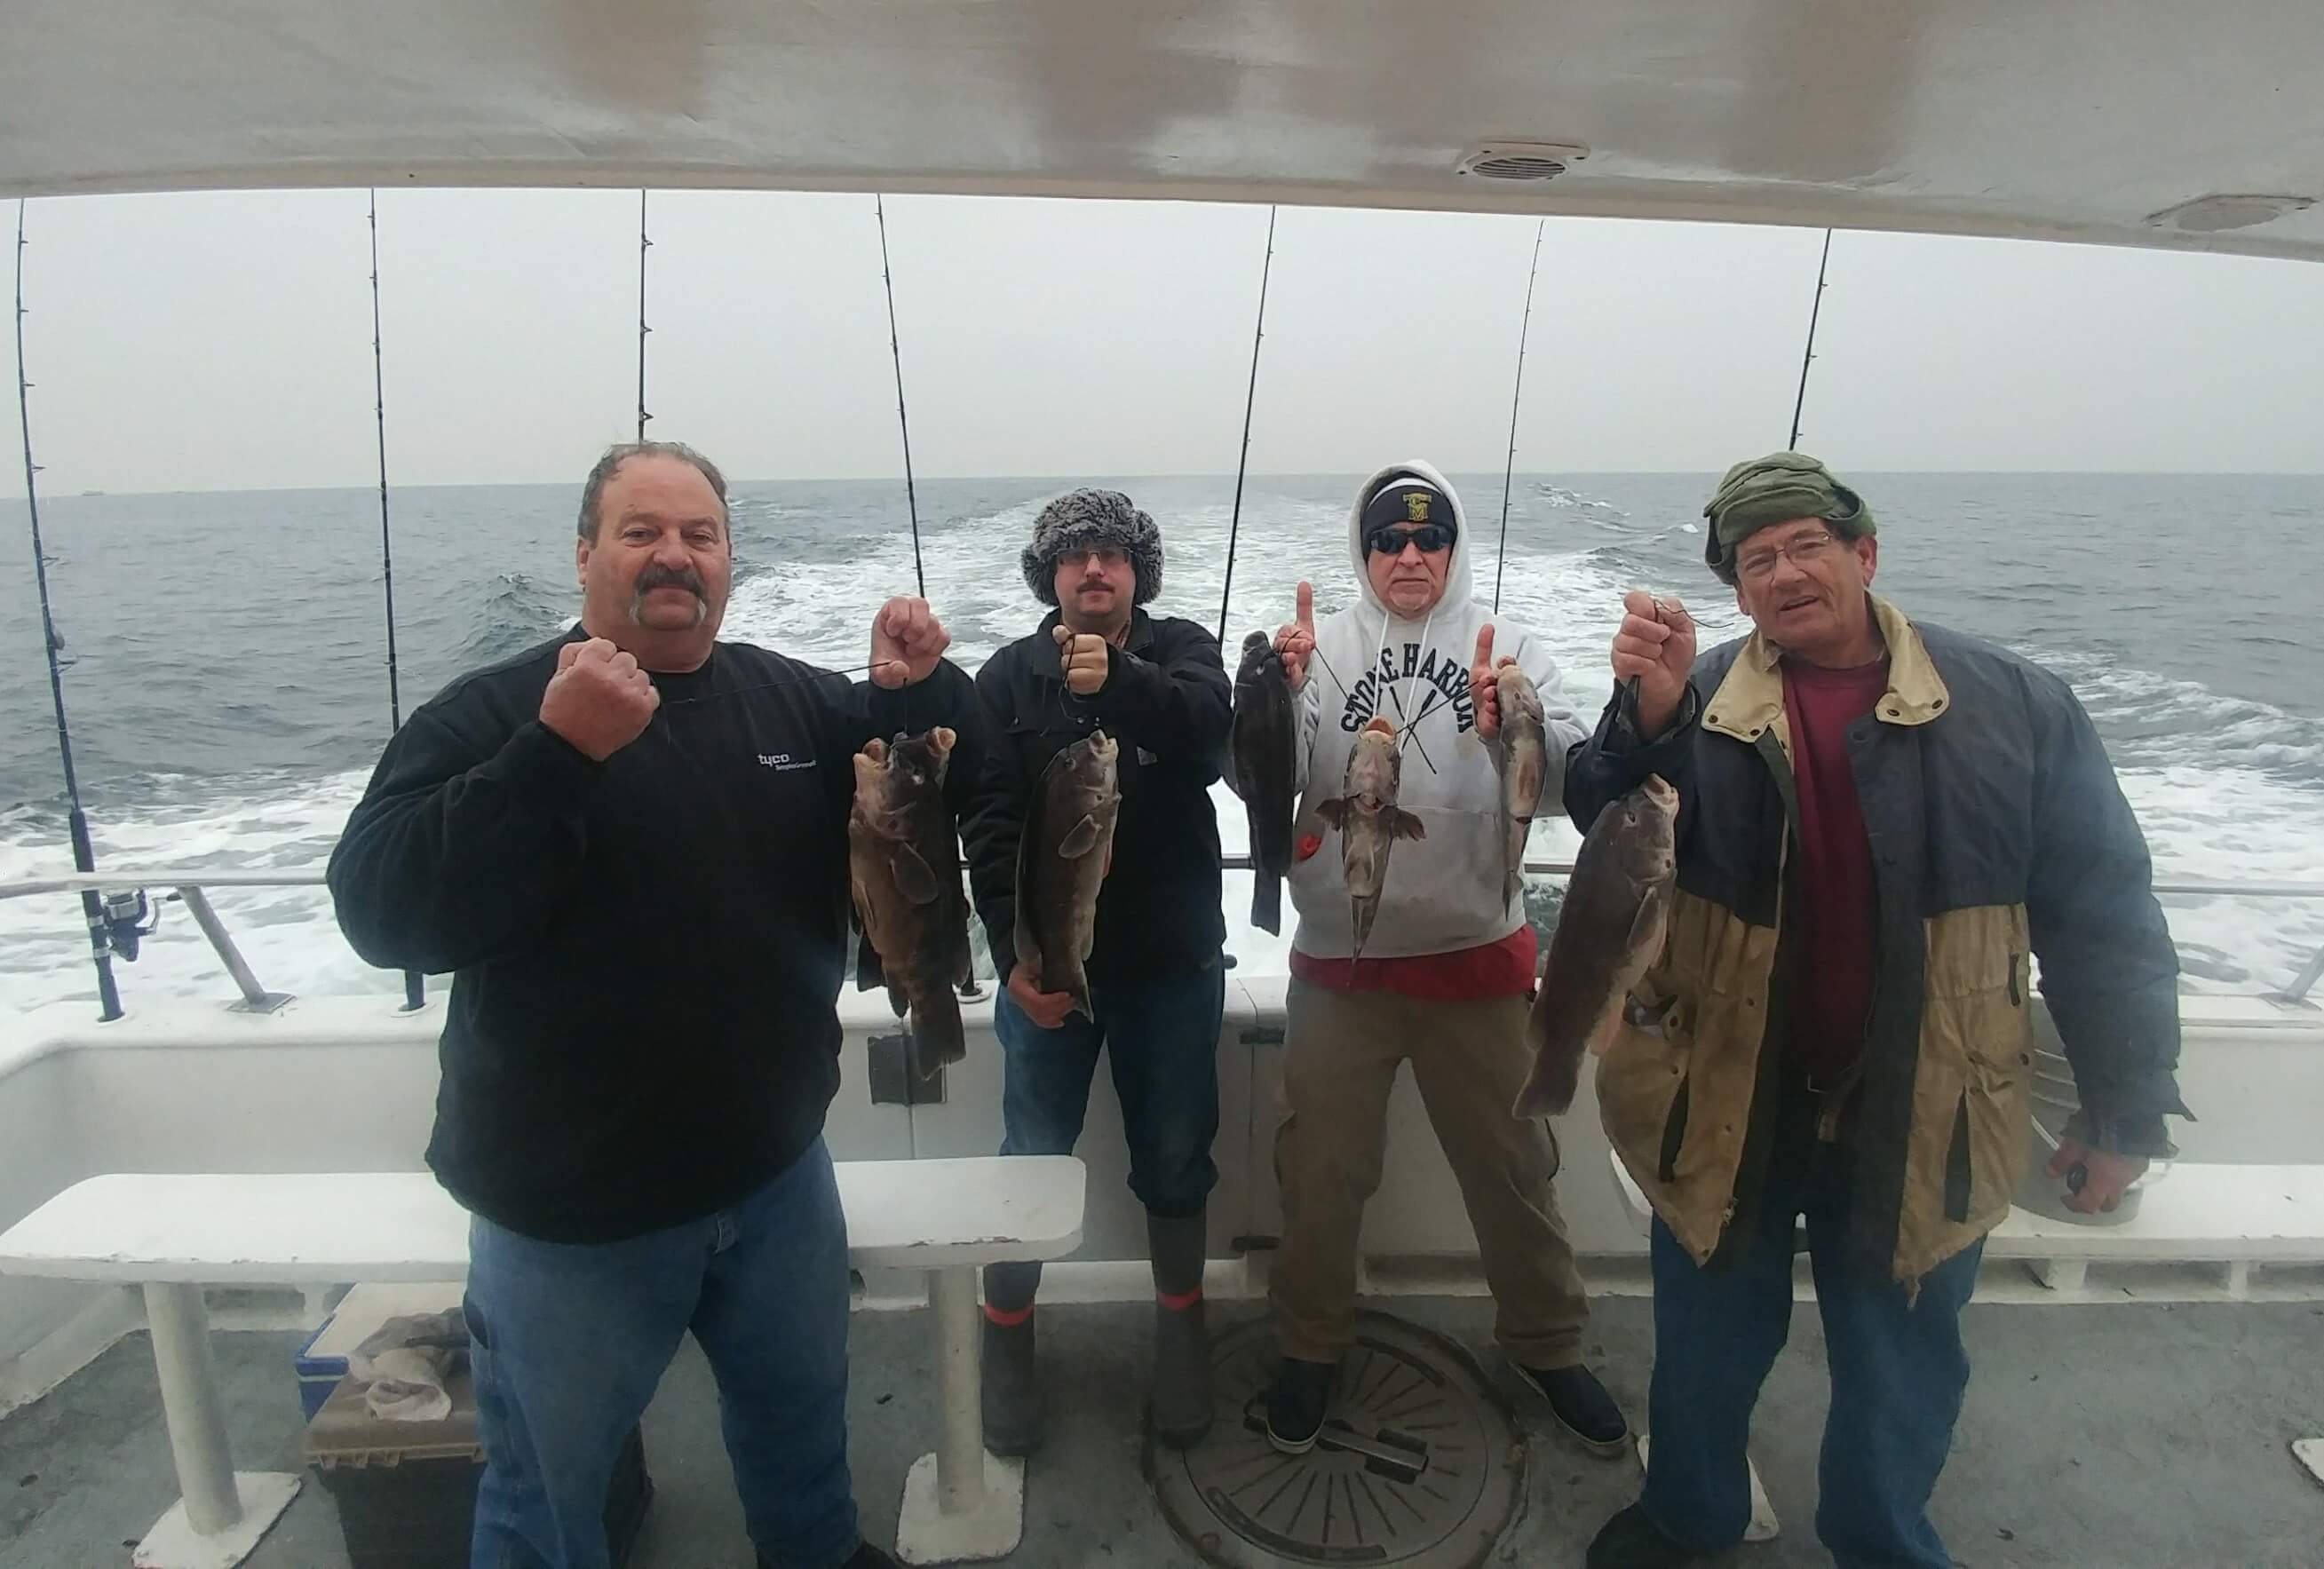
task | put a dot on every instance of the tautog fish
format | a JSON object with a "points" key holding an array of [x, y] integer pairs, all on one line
{"points": [[1062, 860], [1525, 768], [1370, 823], [1261, 749], [1610, 930], [903, 868]]}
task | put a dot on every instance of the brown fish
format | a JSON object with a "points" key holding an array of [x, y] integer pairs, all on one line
{"points": [[1608, 933], [1370, 823], [903, 869], [1525, 768], [1062, 860], [1260, 750]]}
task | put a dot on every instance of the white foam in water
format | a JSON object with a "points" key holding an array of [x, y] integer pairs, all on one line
{"points": [[2225, 788]]}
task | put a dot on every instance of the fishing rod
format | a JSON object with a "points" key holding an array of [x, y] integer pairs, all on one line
{"points": [[92, 904], [1807, 356], [644, 245], [903, 421], [1250, 400], [415, 992], [1516, 395], [386, 538]]}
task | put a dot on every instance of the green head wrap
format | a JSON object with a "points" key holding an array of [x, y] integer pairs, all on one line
{"points": [[1777, 489]]}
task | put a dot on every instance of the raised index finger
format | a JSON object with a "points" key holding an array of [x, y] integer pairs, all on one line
{"points": [[1484, 659], [1305, 614]]}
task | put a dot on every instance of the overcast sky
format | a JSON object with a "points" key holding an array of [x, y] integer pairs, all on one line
{"points": [[224, 342]]}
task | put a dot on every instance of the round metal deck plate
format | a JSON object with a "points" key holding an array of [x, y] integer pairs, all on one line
{"points": [[1419, 1463]]}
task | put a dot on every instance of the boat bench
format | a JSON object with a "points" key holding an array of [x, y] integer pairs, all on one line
{"points": [[172, 1235], [2236, 1217]]}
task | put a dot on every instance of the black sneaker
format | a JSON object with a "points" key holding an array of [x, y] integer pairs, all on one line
{"points": [[1631, 1541], [1583, 1406], [1295, 1405]]}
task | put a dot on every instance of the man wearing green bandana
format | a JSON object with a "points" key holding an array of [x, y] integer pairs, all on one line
{"points": [[1882, 824]]}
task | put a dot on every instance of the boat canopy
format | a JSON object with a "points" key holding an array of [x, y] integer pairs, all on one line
{"points": [[2147, 123]]}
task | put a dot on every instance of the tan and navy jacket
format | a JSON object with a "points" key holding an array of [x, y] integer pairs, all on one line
{"points": [[1998, 832]]}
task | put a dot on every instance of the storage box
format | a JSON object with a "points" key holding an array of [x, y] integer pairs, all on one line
{"points": [[406, 1491], [322, 1362]]}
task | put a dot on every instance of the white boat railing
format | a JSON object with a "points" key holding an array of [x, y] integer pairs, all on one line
{"points": [[189, 885]]}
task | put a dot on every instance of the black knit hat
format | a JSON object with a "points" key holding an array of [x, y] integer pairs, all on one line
{"points": [[1085, 520]]}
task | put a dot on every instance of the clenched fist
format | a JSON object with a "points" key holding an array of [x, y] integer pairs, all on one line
{"points": [[1083, 656], [1655, 644], [907, 642], [598, 700]]}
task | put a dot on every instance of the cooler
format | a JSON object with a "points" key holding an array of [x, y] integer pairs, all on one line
{"points": [[406, 1491]]}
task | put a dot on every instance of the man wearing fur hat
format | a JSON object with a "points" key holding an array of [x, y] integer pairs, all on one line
{"points": [[1881, 823], [1155, 684]]}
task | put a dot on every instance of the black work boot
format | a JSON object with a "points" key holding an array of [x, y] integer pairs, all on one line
{"points": [[1295, 1405], [1583, 1408], [1631, 1541], [1179, 1406], [1013, 1424]]}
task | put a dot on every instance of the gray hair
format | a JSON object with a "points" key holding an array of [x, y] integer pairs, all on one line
{"points": [[593, 489]]}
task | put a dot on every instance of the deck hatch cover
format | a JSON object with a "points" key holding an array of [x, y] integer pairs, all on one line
{"points": [[1420, 1465]]}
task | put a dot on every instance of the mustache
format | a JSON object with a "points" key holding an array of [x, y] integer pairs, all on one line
{"points": [[660, 577]]}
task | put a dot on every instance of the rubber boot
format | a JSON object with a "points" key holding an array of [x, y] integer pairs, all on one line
{"points": [[1179, 1407], [1013, 1424]]}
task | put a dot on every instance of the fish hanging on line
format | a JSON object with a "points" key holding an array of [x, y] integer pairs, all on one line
{"points": [[903, 868], [1608, 933]]}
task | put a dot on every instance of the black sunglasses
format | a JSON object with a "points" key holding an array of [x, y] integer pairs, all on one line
{"points": [[1390, 540]]}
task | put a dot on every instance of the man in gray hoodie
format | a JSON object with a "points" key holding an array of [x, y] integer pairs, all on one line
{"points": [[1446, 969]]}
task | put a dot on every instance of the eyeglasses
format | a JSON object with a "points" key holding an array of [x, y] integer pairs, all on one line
{"points": [[1390, 541], [1804, 550], [1104, 554]]}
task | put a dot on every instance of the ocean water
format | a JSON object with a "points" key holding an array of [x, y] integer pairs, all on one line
{"points": [[228, 690]]}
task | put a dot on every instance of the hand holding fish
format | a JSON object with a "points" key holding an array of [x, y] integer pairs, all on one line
{"points": [[1086, 664], [907, 642], [2105, 1177], [1046, 1009], [1484, 688], [598, 700], [1655, 647], [1295, 639]]}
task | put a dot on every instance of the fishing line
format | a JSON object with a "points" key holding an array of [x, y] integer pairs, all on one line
{"points": [[787, 681], [84, 853], [1516, 395], [1250, 400]]}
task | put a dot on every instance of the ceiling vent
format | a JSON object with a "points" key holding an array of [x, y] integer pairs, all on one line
{"points": [[1521, 160], [2209, 214]]}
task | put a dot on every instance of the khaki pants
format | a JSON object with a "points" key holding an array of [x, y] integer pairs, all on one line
{"points": [[1341, 1054]]}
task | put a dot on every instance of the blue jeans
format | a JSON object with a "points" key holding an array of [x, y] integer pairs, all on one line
{"points": [[1163, 1040], [569, 1341], [1898, 1371]]}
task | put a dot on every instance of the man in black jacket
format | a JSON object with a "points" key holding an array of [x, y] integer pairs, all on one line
{"points": [[1157, 686], [629, 844]]}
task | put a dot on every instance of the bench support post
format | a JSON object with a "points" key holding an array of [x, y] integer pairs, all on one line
{"points": [[960, 1503], [221, 1515]]}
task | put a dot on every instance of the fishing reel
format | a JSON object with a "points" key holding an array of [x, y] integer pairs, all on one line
{"points": [[127, 919]]}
